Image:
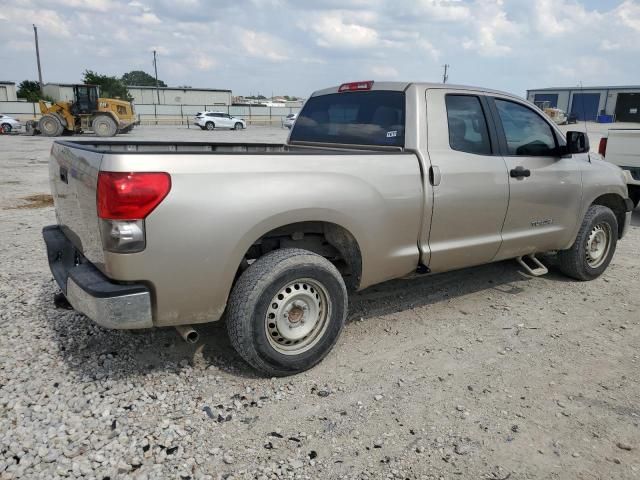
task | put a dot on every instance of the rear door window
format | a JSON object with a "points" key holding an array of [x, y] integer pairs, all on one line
{"points": [[353, 118], [467, 125]]}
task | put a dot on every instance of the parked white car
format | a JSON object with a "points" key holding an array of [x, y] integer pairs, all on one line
{"points": [[9, 124], [290, 120], [211, 120]]}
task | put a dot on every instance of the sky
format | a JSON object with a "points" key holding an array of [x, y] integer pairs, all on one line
{"points": [[293, 47]]}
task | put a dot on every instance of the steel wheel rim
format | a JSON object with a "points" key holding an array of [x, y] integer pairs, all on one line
{"points": [[297, 316], [598, 244]]}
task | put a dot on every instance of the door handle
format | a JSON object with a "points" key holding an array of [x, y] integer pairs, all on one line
{"points": [[520, 172], [434, 175]]}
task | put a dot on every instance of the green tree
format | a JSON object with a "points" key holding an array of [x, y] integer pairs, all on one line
{"points": [[110, 87], [30, 91], [140, 78]]}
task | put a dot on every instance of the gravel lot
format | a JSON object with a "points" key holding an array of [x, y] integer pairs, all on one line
{"points": [[482, 373]]}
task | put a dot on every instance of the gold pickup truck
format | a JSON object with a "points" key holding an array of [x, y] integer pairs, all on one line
{"points": [[376, 181]]}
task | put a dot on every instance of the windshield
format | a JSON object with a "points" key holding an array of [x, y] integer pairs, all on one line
{"points": [[353, 118]]}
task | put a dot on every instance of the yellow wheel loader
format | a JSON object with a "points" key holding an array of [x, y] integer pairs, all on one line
{"points": [[106, 117]]}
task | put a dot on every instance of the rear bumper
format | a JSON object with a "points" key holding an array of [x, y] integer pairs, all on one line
{"points": [[109, 304], [632, 174]]}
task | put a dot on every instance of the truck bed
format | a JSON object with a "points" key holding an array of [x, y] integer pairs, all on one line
{"points": [[226, 196], [223, 148]]}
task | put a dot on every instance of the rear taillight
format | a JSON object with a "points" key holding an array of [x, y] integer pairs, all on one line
{"points": [[602, 147], [355, 86], [130, 195]]}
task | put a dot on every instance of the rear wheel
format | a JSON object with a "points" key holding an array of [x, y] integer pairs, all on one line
{"points": [[50, 126], [104, 126], [210, 125], [594, 247], [238, 126], [286, 311], [6, 128]]}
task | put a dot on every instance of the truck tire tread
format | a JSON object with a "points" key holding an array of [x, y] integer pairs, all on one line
{"points": [[572, 262]]}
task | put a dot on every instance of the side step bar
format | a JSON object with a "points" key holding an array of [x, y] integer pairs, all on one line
{"points": [[534, 267]]}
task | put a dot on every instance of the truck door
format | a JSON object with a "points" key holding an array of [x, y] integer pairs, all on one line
{"points": [[545, 187], [469, 178]]}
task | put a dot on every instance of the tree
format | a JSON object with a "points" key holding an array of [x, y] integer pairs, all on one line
{"points": [[141, 79], [110, 87], [30, 91]]}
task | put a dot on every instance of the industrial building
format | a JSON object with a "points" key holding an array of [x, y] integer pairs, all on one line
{"points": [[149, 95], [621, 104], [180, 96], [8, 92]]}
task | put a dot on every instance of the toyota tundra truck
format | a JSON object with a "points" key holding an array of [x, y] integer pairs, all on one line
{"points": [[377, 180]]}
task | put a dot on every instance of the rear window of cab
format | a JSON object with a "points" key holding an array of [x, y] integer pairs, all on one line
{"points": [[375, 117]]}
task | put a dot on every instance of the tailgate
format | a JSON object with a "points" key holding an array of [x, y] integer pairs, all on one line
{"points": [[73, 175], [623, 147]]}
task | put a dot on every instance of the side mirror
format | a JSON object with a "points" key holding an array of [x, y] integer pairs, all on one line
{"points": [[577, 142]]}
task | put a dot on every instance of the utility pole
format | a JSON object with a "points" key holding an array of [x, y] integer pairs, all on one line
{"points": [[35, 31], [155, 66], [445, 77]]}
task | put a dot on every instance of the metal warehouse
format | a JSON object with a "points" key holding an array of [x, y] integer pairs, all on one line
{"points": [[180, 96], [8, 92], [621, 104]]}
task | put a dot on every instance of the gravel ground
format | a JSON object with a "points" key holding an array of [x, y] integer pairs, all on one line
{"points": [[482, 373]]}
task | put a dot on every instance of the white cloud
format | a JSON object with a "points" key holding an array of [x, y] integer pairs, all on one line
{"points": [[444, 10], [384, 72], [146, 18], [334, 30], [492, 25], [263, 45], [96, 5], [294, 46], [629, 13]]}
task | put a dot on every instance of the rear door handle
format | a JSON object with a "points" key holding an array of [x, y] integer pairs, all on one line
{"points": [[520, 172]]}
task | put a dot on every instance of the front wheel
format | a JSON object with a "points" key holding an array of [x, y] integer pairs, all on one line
{"points": [[286, 311], [104, 126], [5, 127], [591, 253], [238, 126]]}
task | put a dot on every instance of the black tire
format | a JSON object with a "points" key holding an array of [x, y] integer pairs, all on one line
{"points": [[238, 126], [104, 126], [576, 262], [209, 126], [254, 297], [6, 128], [50, 126]]}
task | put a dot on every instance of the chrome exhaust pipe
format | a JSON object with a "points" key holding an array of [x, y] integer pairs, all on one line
{"points": [[188, 333]]}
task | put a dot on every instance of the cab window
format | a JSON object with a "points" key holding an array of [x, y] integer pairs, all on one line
{"points": [[467, 125], [527, 134]]}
